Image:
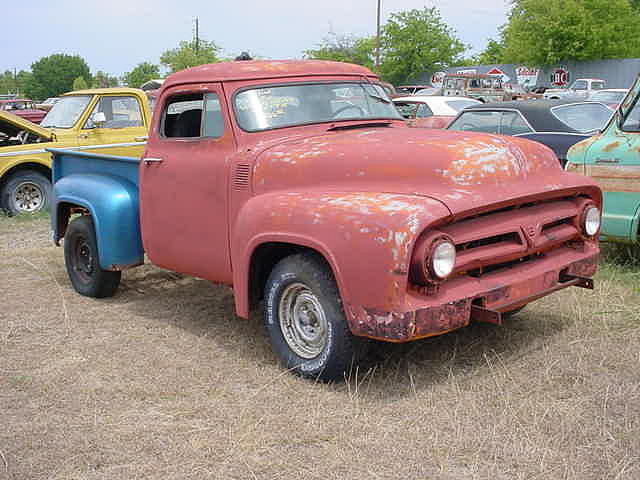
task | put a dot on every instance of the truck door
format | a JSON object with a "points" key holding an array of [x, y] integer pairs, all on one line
{"points": [[183, 184], [115, 126], [614, 163]]}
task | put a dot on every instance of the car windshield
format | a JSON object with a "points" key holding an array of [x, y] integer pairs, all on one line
{"points": [[583, 117], [66, 111], [288, 105], [458, 105], [608, 97]]}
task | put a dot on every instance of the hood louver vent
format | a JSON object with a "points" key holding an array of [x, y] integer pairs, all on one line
{"points": [[241, 176]]}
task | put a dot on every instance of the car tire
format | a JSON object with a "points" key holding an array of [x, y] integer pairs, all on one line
{"points": [[26, 191], [305, 319], [82, 261]]}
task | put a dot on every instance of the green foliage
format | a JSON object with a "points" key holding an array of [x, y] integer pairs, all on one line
{"points": [[142, 73], [104, 80], [55, 74], [494, 52], [190, 54], [345, 48], [13, 84], [80, 84], [542, 32], [417, 41]]}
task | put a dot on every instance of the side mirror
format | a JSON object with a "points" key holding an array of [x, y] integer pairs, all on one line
{"points": [[99, 119]]}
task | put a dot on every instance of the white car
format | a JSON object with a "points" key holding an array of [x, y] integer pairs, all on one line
{"points": [[431, 111]]}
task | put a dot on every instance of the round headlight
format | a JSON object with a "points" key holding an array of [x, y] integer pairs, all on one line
{"points": [[443, 259], [591, 221]]}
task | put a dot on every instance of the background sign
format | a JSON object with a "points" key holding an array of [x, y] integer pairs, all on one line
{"points": [[560, 77], [496, 72], [527, 77], [437, 79]]}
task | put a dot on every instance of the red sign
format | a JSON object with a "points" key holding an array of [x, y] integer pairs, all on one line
{"points": [[495, 71], [560, 77]]}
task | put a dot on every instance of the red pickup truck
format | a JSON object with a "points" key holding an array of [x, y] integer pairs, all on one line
{"points": [[298, 183]]}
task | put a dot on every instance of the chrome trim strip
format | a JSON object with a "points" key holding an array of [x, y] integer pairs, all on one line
{"points": [[24, 152], [83, 147]]}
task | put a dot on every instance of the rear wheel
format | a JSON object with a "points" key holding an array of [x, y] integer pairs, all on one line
{"points": [[82, 261], [26, 192], [305, 319]]}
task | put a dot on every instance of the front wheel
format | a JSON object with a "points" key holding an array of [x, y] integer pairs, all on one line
{"points": [[82, 261], [305, 319]]}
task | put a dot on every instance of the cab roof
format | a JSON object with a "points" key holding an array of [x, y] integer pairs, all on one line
{"points": [[106, 91], [264, 69]]}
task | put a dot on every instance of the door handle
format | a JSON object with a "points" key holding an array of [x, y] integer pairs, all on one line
{"points": [[83, 135], [142, 139], [607, 160], [149, 161]]}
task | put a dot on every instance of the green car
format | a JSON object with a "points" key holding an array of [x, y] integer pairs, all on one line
{"points": [[612, 158]]}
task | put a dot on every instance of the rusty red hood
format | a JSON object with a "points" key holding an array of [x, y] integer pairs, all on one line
{"points": [[465, 171]]}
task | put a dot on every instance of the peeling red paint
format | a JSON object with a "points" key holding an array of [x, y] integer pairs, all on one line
{"points": [[365, 194]]}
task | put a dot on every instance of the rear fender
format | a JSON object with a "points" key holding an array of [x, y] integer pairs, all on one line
{"points": [[112, 202]]}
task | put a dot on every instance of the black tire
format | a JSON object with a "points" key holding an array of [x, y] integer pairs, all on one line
{"points": [[81, 259], [303, 283], [26, 191]]}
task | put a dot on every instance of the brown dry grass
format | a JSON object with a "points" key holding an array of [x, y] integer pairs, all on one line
{"points": [[163, 381]]}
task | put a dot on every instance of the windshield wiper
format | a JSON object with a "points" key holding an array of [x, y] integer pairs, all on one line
{"points": [[380, 99]]}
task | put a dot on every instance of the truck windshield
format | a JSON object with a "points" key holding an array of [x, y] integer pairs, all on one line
{"points": [[66, 111], [288, 105]]}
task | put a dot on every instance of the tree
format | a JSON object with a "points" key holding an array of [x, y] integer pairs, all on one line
{"points": [[104, 80], [10, 83], [143, 72], [417, 41], [80, 84], [55, 74], [190, 54], [345, 48], [542, 32], [494, 52]]}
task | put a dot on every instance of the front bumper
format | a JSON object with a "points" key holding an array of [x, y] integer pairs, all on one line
{"points": [[463, 299]]}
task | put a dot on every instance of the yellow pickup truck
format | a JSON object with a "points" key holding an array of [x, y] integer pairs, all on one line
{"points": [[105, 120]]}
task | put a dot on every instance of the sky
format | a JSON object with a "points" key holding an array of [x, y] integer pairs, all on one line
{"points": [[115, 35]]}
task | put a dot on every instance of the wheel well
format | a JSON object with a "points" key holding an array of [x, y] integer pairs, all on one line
{"points": [[264, 259], [65, 210], [38, 167]]}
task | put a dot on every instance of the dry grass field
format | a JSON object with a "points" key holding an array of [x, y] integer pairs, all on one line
{"points": [[164, 382]]}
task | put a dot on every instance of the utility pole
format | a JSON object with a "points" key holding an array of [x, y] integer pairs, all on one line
{"points": [[378, 37], [197, 37]]}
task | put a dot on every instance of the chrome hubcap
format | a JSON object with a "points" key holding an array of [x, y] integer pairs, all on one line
{"points": [[302, 321], [28, 197]]}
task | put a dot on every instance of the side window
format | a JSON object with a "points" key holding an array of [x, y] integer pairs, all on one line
{"points": [[580, 85], [119, 112], [185, 117], [514, 124], [424, 111], [632, 121]]}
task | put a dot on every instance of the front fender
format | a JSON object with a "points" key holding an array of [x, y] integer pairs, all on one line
{"points": [[367, 238], [113, 204]]}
